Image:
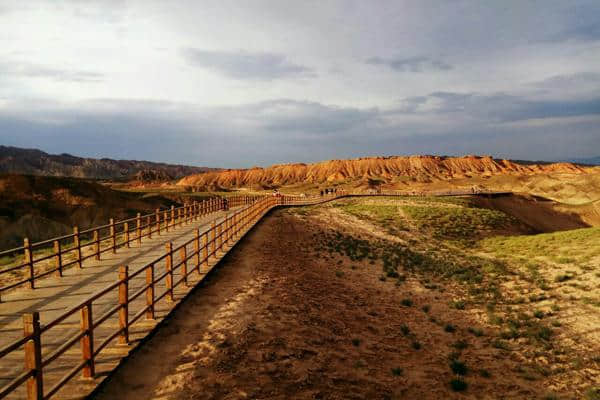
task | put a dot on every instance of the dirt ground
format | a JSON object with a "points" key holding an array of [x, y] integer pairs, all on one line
{"points": [[276, 322]]}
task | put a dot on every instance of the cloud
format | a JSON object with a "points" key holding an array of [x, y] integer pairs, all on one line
{"points": [[497, 107], [581, 81], [29, 70], [309, 118], [411, 64], [245, 65]]}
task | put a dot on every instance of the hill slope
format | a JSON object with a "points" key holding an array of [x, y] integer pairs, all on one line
{"points": [[36, 162], [41, 207], [398, 170]]}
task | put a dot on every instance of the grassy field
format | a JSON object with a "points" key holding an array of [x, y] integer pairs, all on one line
{"points": [[533, 294]]}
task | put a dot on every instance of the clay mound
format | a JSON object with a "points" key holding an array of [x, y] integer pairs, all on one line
{"points": [[152, 175], [420, 168], [541, 215], [41, 207]]}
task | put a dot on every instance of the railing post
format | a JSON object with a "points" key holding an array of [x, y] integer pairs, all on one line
{"points": [[166, 218], [57, 258], [197, 248], [183, 258], [196, 210], [87, 340], [205, 247], [150, 292], [157, 221], [228, 226], [138, 226], [149, 225], [126, 233], [77, 241], [213, 242], [220, 235], [113, 237], [33, 356], [28, 254], [169, 268], [97, 243], [236, 224], [124, 303], [173, 216]]}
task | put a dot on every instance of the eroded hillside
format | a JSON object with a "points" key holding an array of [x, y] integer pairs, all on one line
{"points": [[40, 207], [403, 173]]}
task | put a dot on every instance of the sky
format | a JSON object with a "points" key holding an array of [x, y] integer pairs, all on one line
{"points": [[252, 83]]}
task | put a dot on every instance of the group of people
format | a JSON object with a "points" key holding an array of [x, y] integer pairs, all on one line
{"points": [[328, 191]]}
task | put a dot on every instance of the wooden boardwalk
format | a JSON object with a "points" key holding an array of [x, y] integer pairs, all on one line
{"points": [[55, 295]]}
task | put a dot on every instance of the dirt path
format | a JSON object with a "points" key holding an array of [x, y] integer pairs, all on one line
{"points": [[277, 322]]}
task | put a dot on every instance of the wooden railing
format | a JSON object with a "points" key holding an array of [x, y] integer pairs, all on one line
{"points": [[193, 255], [60, 253]]}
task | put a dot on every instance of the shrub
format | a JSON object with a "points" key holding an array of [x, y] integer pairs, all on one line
{"points": [[416, 345], [459, 304], [593, 393], [356, 342], [458, 367], [460, 344], [500, 344], [397, 371], [404, 329], [406, 302], [562, 278], [543, 333], [426, 308], [458, 385], [449, 328], [475, 331]]}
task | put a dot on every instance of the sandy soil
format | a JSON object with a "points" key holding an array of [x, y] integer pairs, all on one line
{"points": [[276, 322]]}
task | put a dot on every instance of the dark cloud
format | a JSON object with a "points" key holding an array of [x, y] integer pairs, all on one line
{"points": [[411, 64], [579, 21], [579, 81], [498, 107], [245, 65], [28, 70], [310, 118]]}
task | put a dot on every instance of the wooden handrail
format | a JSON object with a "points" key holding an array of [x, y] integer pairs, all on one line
{"points": [[176, 216]]}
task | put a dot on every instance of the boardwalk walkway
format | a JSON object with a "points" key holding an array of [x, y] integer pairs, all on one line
{"points": [[54, 295]]}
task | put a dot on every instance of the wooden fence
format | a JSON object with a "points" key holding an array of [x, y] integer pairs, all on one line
{"points": [[60, 253], [204, 247]]}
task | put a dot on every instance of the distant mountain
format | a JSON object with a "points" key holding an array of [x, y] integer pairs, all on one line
{"points": [[585, 161], [393, 170], [36, 162]]}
